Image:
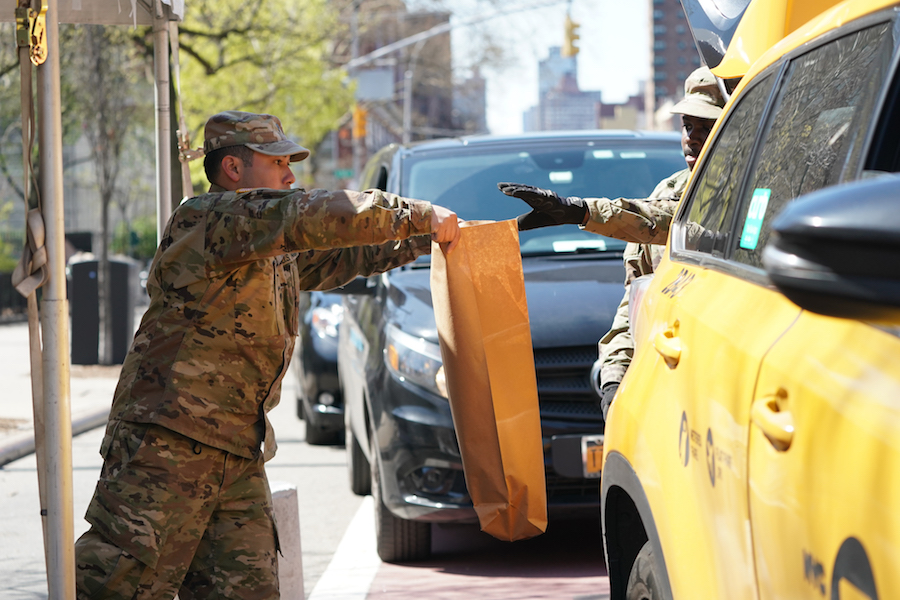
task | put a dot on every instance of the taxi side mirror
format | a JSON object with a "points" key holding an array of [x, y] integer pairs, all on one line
{"points": [[836, 251]]}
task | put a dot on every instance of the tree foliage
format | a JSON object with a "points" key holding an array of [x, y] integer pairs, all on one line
{"points": [[263, 56]]}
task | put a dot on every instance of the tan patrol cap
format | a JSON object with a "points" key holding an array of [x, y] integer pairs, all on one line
{"points": [[259, 132], [702, 96]]}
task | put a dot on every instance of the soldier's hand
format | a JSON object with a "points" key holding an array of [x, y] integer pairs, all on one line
{"points": [[444, 227], [607, 393], [548, 208]]}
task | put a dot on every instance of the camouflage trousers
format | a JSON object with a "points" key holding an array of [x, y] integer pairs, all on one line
{"points": [[171, 515]]}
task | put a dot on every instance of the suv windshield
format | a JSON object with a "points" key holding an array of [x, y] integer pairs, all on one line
{"points": [[465, 179]]}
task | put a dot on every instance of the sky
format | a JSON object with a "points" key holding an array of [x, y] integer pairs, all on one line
{"points": [[613, 58]]}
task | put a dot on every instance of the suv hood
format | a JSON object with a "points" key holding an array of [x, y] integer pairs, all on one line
{"points": [[567, 299]]}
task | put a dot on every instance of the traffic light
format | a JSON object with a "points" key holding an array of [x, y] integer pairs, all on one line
{"points": [[569, 48], [359, 122]]}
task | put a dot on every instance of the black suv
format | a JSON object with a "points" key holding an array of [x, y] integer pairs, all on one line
{"points": [[401, 445]]}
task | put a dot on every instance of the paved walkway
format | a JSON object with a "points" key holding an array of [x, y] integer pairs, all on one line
{"points": [[92, 388]]}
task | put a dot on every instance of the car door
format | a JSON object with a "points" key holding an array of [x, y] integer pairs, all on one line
{"points": [[826, 408], [824, 450]]}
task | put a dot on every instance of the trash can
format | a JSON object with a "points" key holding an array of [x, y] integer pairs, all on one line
{"points": [[85, 311]]}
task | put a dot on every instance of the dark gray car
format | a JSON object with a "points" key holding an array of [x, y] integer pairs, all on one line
{"points": [[401, 444]]}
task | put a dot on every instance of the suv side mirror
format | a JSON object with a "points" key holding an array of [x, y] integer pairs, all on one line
{"points": [[836, 251], [359, 286]]}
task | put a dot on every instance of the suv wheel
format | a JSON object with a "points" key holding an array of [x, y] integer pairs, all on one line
{"points": [[645, 578], [317, 435], [397, 540], [357, 466]]}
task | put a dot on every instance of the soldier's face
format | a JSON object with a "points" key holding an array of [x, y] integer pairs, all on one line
{"points": [[694, 132], [268, 172]]}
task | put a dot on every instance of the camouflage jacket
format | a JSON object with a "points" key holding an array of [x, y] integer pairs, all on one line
{"points": [[216, 340], [617, 346], [644, 221]]}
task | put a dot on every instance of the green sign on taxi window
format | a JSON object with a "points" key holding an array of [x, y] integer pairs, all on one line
{"points": [[753, 223]]}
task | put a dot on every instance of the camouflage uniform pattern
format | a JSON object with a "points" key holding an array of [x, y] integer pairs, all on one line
{"points": [[644, 221], [207, 363], [617, 346], [168, 510]]}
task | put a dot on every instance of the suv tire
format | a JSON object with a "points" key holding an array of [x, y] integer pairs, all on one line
{"points": [[357, 466], [645, 578], [397, 540], [316, 435]]}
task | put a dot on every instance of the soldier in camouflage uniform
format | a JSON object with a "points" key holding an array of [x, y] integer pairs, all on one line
{"points": [[643, 223], [183, 505]]}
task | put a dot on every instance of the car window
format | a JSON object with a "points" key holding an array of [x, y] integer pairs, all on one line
{"points": [[820, 118], [465, 180], [714, 198]]}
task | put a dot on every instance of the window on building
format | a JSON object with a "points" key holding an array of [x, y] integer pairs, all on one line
{"points": [[659, 14], [696, 61], [682, 60], [659, 45], [659, 60], [659, 76], [680, 29], [659, 30], [682, 45]]}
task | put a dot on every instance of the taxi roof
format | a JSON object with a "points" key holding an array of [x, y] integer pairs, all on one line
{"points": [[764, 23], [827, 20]]}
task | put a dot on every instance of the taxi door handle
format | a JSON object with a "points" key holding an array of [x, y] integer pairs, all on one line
{"points": [[668, 344], [770, 414]]}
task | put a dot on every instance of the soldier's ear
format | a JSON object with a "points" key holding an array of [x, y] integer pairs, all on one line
{"points": [[232, 168]]}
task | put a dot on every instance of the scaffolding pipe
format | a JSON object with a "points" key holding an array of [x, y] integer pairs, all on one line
{"points": [[59, 519], [163, 125]]}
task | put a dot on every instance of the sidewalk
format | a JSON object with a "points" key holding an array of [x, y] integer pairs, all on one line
{"points": [[92, 388]]}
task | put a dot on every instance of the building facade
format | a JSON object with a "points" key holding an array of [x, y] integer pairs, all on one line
{"points": [[673, 56]]}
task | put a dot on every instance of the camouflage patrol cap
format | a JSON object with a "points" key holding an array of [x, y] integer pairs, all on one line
{"points": [[259, 132], [702, 96]]}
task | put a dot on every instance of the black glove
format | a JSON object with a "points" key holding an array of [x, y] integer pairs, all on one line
{"points": [[607, 392], [548, 208]]}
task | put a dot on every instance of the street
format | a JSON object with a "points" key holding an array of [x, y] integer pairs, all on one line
{"points": [[337, 529]]}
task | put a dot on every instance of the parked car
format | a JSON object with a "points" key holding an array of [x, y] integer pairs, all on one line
{"points": [[753, 446], [400, 440], [314, 366]]}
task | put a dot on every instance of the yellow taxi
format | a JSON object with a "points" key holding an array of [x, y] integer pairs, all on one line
{"points": [[753, 448]]}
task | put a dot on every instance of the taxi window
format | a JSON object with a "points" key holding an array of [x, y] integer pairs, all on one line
{"points": [[715, 196], [819, 122]]}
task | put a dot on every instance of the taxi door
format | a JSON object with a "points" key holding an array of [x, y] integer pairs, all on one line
{"points": [[824, 455]]}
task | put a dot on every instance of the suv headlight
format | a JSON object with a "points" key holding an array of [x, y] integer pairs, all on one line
{"points": [[325, 320], [415, 360]]}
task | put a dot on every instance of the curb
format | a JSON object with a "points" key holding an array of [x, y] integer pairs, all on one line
{"points": [[21, 445]]}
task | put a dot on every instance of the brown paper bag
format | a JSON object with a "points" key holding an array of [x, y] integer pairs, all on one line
{"points": [[482, 321]]}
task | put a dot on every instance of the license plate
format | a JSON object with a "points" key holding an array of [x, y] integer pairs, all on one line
{"points": [[592, 455]]}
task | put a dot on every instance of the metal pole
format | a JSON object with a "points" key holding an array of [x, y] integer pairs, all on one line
{"points": [[354, 52], [55, 325], [408, 90], [163, 128]]}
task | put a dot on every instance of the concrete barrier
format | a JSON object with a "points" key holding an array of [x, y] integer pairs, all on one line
{"points": [[290, 561]]}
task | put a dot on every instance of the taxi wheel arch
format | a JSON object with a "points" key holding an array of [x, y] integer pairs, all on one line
{"points": [[627, 524]]}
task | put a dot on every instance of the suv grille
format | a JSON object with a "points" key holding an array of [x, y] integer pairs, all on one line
{"points": [[564, 386]]}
